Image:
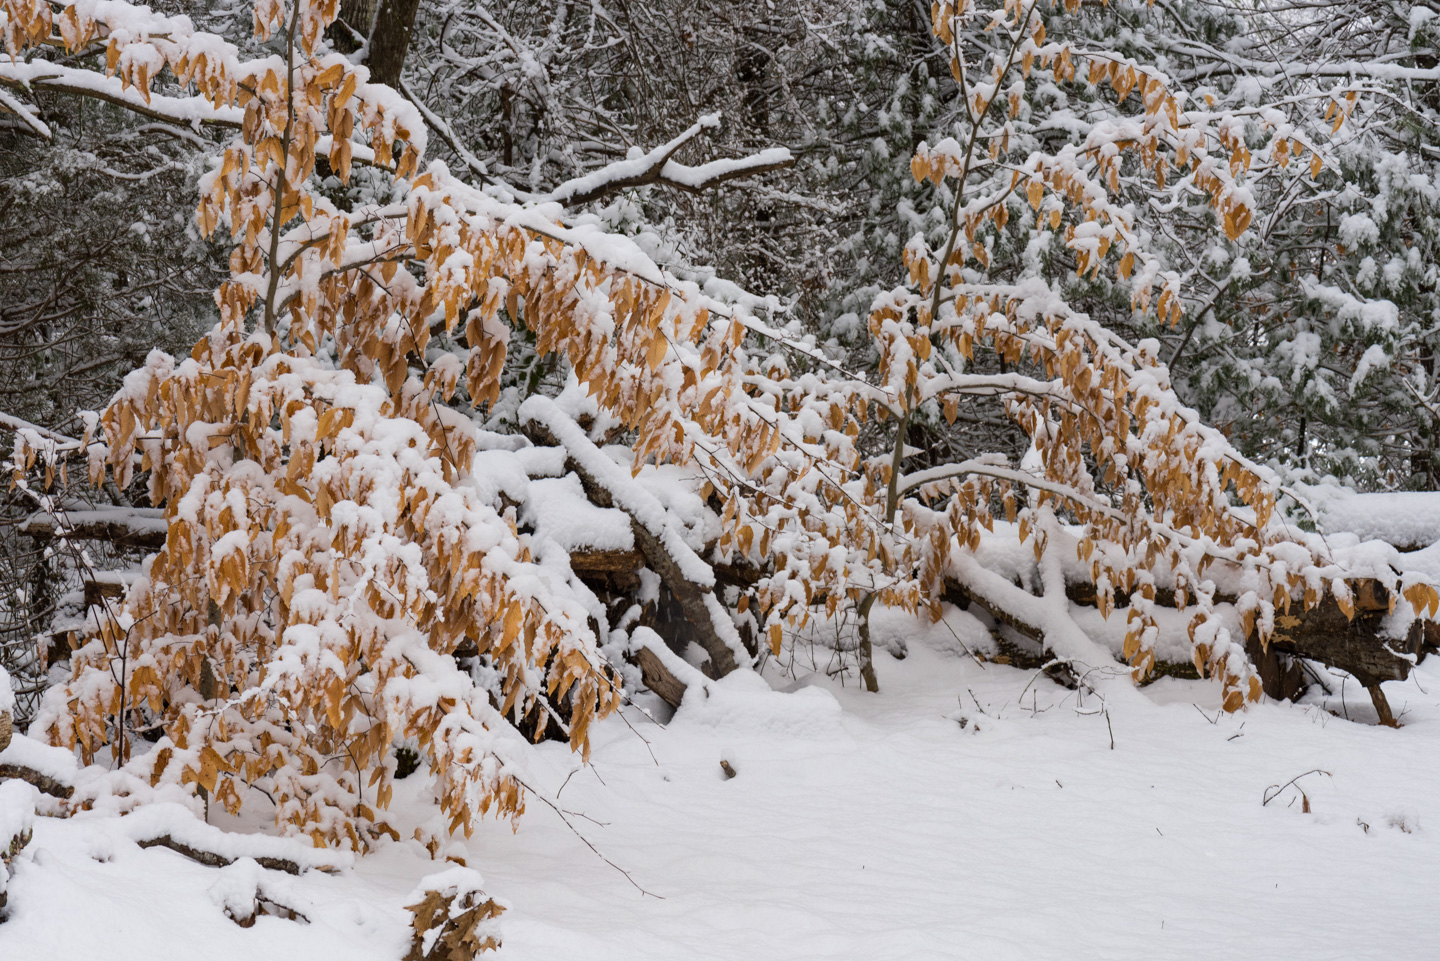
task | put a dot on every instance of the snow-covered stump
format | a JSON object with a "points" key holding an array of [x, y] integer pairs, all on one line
{"points": [[453, 918]]}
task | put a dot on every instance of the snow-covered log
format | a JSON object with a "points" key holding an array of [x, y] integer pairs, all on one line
{"points": [[172, 826], [1356, 644], [133, 527], [688, 578], [49, 770]]}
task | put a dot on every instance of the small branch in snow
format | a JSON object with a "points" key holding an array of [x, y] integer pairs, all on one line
{"points": [[1275, 790], [561, 814], [30, 123]]}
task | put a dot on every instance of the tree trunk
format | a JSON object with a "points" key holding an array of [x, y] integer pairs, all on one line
{"points": [[390, 40]]}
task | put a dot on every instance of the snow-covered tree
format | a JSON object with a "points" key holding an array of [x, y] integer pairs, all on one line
{"points": [[334, 540]]}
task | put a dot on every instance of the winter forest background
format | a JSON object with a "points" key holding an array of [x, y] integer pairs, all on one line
{"points": [[770, 417]]}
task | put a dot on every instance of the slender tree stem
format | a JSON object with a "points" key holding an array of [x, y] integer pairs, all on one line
{"points": [[281, 186]]}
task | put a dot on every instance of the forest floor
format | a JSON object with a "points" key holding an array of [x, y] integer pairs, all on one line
{"points": [[969, 811]]}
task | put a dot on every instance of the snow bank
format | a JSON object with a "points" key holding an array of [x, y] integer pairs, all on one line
{"points": [[1406, 519], [243, 884], [970, 810], [17, 815], [168, 819], [743, 703], [558, 509]]}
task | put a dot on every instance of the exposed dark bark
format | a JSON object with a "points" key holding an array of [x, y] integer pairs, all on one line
{"points": [[584, 562], [213, 860], [43, 782], [658, 678], [390, 40]]}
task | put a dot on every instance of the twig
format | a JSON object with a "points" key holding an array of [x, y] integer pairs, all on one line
{"points": [[963, 645], [1053, 662], [1280, 788], [561, 814]]}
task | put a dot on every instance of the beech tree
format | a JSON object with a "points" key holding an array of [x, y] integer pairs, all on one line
{"points": [[331, 549]]}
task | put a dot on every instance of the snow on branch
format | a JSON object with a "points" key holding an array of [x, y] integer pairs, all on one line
{"points": [[657, 167], [187, 111]]}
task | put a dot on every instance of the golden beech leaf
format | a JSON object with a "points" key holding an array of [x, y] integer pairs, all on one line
{"points": [[1423, 599], [514, 616], [655, 351]]}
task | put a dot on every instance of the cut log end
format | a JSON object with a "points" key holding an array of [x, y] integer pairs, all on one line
{"points": [[658, 679]]}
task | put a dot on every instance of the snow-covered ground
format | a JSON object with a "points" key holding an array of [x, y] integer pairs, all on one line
{"points": [[871, 827]]}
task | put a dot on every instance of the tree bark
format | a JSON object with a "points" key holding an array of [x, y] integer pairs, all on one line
{"points": [[390, 40], [44, 783], [658, 678]]}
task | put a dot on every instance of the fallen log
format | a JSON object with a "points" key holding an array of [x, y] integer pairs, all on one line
{"points": [[1322, 633], [1352, 644], [127, 527], [213, 860], [44, 783], [608, 572], [658, 678], [584, 562], [48, 769], [689, 579], [665, 673]]}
